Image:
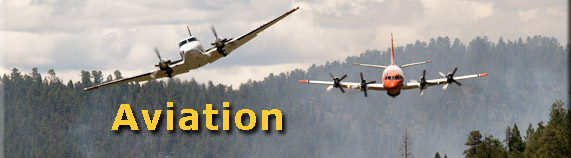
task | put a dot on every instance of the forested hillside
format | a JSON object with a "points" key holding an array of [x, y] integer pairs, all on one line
{"points": [[47, 117]]}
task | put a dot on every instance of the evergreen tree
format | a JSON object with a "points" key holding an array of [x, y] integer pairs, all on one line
{"points": [[515, 145], [474, 140], [437, 155], [491, 147]]}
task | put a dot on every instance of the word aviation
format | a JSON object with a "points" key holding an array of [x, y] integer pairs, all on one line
{"points": [[393, 79], [193, 55]]}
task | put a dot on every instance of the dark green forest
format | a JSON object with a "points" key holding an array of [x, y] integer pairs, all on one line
{"points": [[551, 140], [45, 116]]}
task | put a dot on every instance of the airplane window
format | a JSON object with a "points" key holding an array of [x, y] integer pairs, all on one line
{"points": [[182, 43], [396, 77]]}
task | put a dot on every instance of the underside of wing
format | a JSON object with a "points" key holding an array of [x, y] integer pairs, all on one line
{"points": [[156, 74], [445, 80], [233, 44], [138, 78], [411, 85], [350, 85]]}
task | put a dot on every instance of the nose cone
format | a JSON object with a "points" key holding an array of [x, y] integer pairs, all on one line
{"points": [[193, 47], [390, 84]]}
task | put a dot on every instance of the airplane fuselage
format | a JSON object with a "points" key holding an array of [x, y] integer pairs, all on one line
{"points": [[393, 80], [192, 53]]}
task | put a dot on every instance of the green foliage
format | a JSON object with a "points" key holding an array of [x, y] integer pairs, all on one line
{"points": [[515, 144], [553, 139], [545, 141], [474, 140], [437, 155]]}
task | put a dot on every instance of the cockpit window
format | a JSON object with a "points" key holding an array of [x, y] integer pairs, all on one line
{"points": [[192, 39], [182, 43], [396, 77]]}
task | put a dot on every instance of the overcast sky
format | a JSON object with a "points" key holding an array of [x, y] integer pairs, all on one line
{"points": [[108, 35]]}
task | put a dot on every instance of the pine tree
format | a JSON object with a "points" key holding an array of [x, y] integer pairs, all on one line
{"points": [[437, 155], [515, 144], [474, 140]]}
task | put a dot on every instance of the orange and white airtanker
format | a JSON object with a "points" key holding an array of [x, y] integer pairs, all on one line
{"points": [[393, 79]]}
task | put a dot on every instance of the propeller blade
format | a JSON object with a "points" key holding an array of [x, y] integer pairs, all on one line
{"points": [[329, 88], [441, 74], [458, 83], [332, 77], [365, 92], [158, 54], [421, 91], [454, 72], [213, 31], [445, 86], [342, 90], [362, 76], [188, 28], [371, 82], [344, 76], [423, 73], [154, 74]]}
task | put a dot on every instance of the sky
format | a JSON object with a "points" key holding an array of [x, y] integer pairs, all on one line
{"points": [[73, 35]]}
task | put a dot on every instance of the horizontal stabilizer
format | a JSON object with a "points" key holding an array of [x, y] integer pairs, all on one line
{"points": [[413, 64], [369, 65]]}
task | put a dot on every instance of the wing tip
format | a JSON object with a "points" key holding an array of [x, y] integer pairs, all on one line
{"points": [[483, 74], [356, 64], [303, 81], [429, 61], [90, 88]]}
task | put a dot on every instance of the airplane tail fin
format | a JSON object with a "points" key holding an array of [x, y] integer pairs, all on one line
{"points": [[392, 51]]}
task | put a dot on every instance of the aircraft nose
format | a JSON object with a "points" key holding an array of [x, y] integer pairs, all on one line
{"points": [[390, 84]]}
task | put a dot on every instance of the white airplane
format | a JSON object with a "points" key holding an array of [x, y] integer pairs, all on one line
{"points": [[393, 79], [193, 55]]}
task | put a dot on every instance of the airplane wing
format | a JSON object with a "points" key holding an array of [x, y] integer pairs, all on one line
{"points": [[443, 80], [177, 68], [235, 43], [350, 85], [433, 82], [138, 78]]}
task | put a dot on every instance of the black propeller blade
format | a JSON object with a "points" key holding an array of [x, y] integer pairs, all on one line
{"points": [[423, 82], [188, 28], [364, 84], [218, 42], [450, 79], [337, 82], [163, 65]]}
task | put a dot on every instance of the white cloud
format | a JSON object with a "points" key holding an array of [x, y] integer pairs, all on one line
{"points": [[70, 36], [527, 15]]}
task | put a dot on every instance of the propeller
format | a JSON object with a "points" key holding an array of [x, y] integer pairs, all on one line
{"points": [[163, 65], [218, 42], [364, 84], [450, 79], [188, 28], [423, 84], [336, 82]]}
